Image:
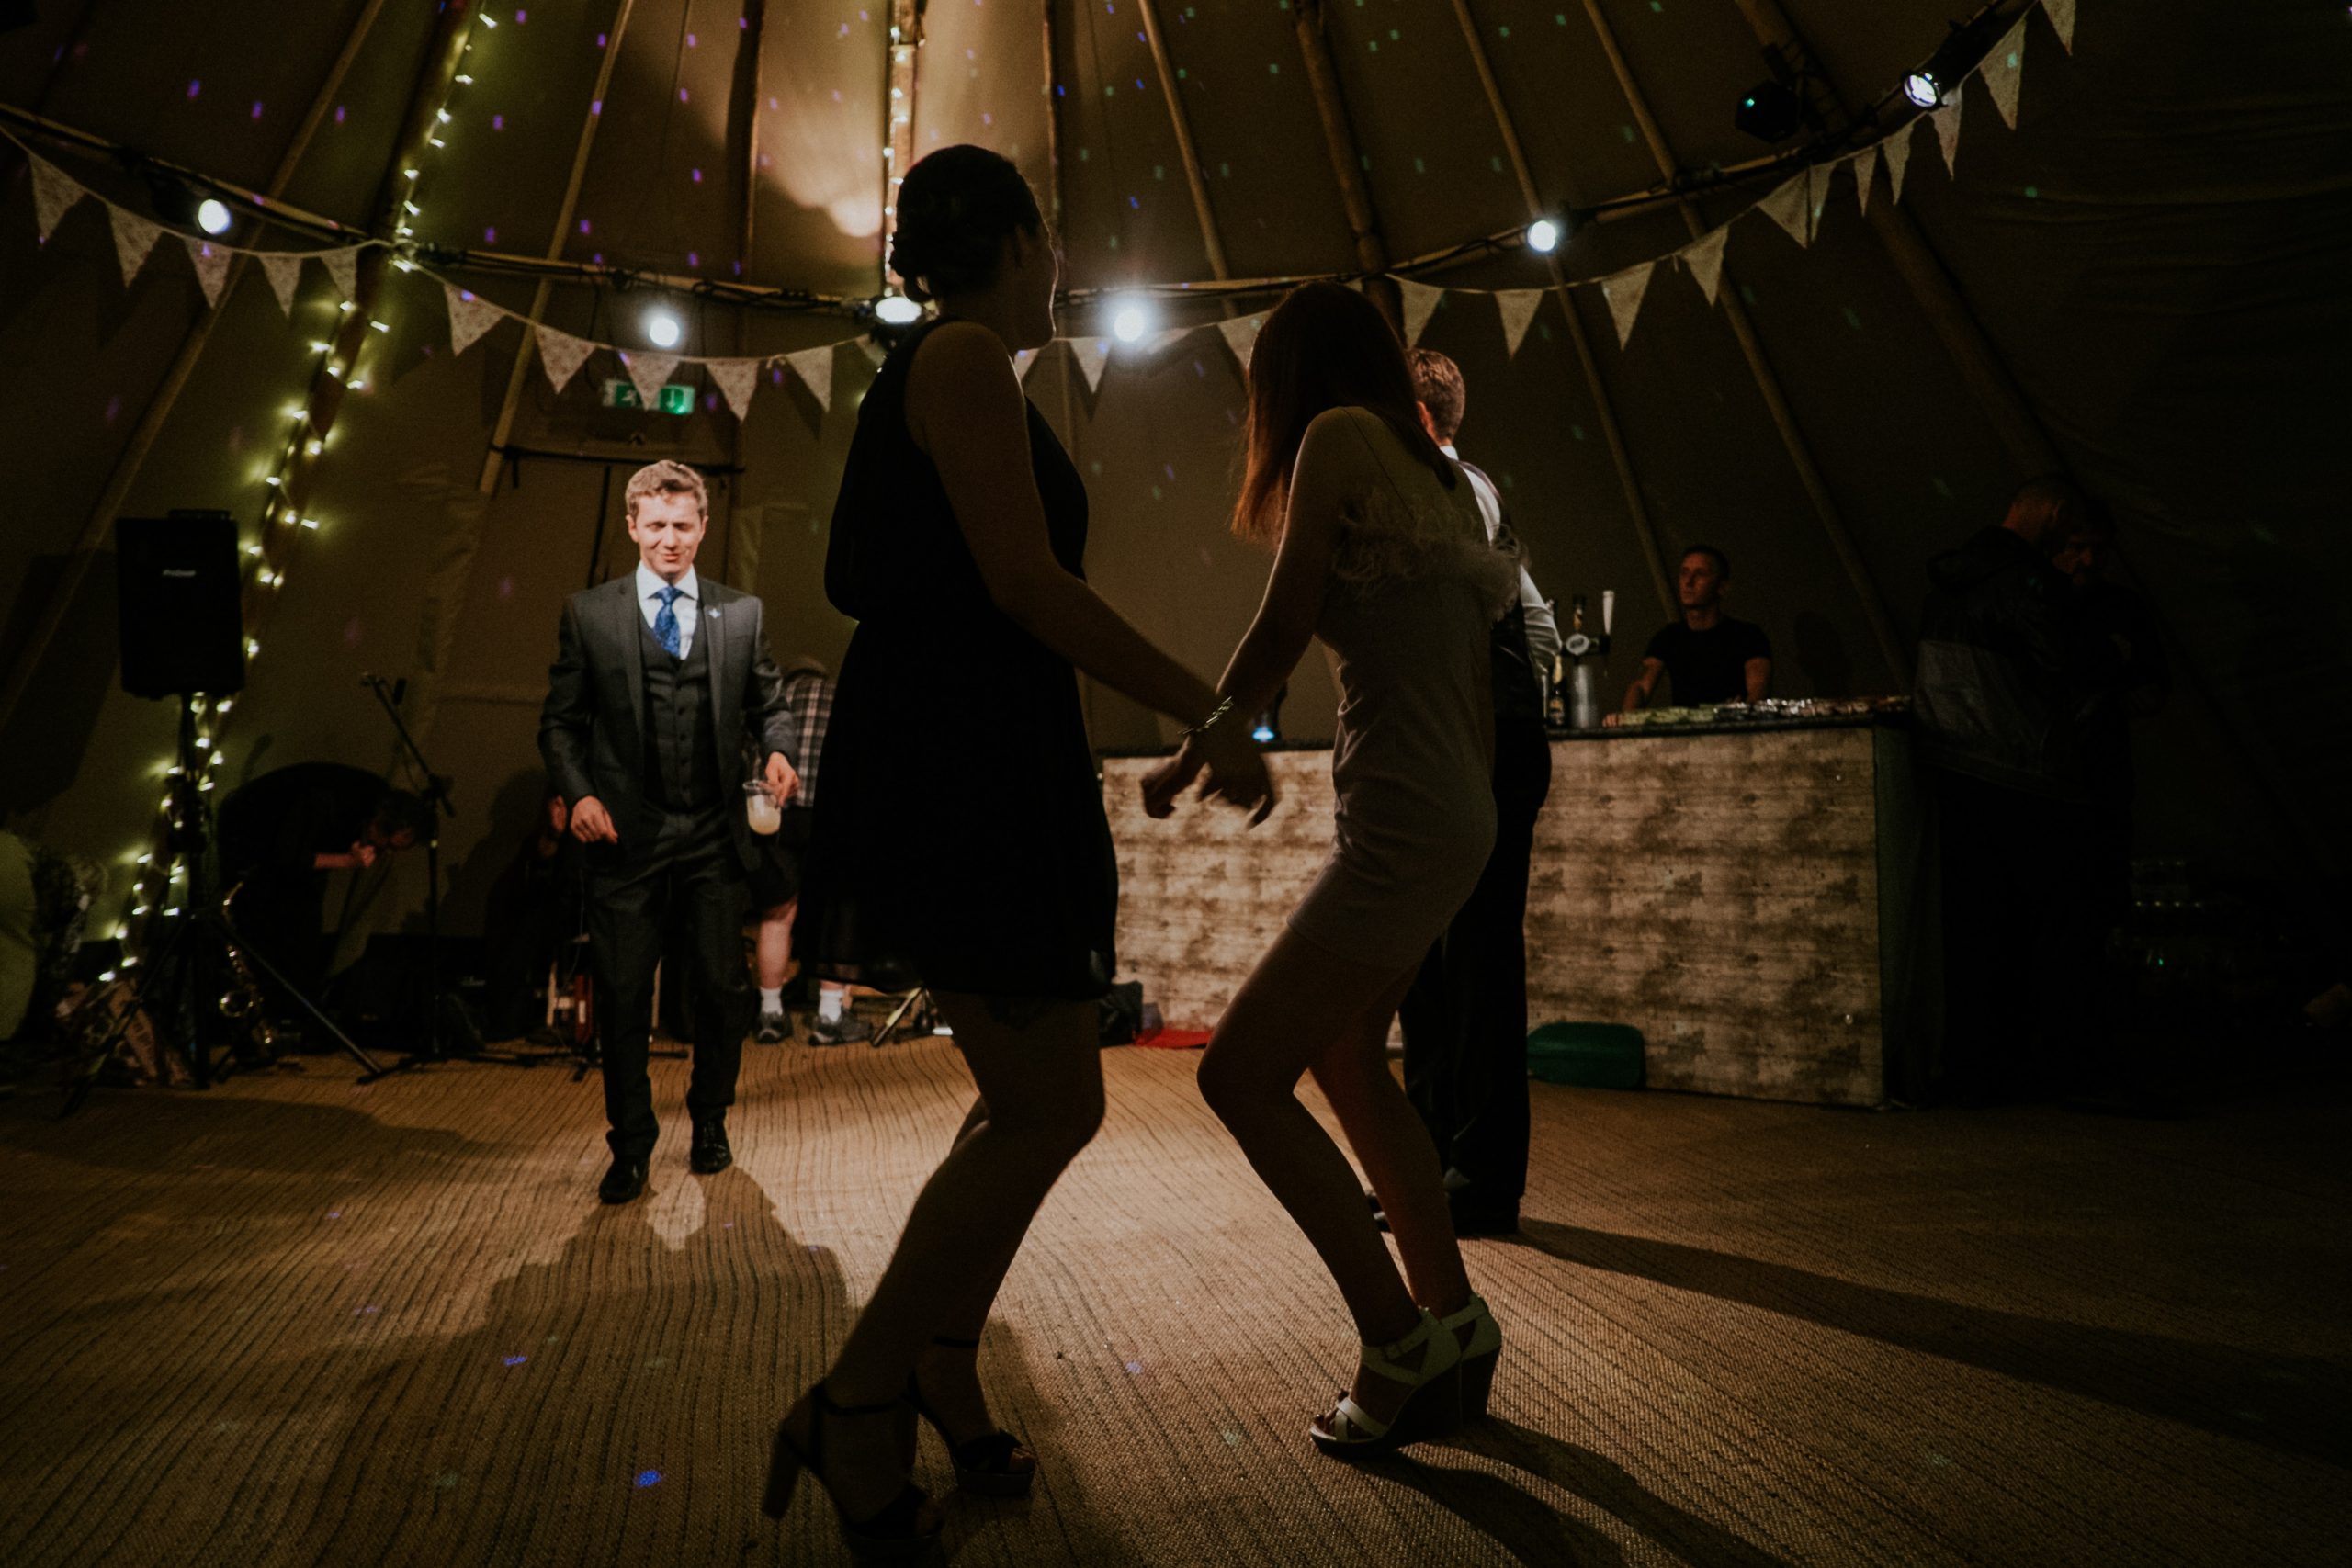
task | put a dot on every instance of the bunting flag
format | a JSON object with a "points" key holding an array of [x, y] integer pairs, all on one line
{"points": [[1623, 291], [1420, 303], [1240, 332], [1947, 120], [875, 353], [1896, 151], [344, 268], [1816, 192], [1021, 363], [2061, 20], [133, 238], [815, 368], [211, 267], [1865, 173], [1786, 208], [562, 355], [1705, 260], [735, 380], [1091, 354], [284, 274], [649, 373], [54, 191], [1168, 339], [2004, 71], [1518, 313], [470, 318]]}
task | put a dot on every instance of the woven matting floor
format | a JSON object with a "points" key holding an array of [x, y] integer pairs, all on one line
{"points": [[297, 1321]]}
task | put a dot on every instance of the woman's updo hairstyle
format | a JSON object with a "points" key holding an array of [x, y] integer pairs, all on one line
{"points": [[956, 208]]}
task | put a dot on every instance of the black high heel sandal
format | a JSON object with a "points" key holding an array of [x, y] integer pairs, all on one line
{"points": [[901, 1531], [995, 1465]]}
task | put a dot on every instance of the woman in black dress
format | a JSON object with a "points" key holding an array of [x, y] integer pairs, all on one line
{"points": [[961, 827]]}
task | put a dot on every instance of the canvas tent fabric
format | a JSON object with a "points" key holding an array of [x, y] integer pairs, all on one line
{"points": [[2152, 259]]}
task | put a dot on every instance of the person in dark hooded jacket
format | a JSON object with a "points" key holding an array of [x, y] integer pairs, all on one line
{"points": [[2009, 670]]}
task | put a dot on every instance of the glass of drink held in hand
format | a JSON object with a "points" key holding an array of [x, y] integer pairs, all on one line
{"points": [[760, 808]]}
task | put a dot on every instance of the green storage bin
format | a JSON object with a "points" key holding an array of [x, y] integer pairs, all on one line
{"points": [[1589, 1056]]}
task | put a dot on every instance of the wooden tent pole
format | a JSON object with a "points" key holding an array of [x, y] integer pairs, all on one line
{"points": [[158, 408], [1347, 161], [1923, 271], [494, 459], [1645, 530], [1776, 403], [755, 19], [1193, 177], [1053, 118]]}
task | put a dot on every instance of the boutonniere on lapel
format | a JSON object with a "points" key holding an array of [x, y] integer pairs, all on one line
{"points": [[710, 614]]}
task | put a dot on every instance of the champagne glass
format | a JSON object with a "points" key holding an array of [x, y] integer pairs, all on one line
{"points": [[760, 808]]}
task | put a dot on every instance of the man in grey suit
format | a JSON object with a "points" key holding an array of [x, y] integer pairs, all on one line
{"points": [[659, 677]]}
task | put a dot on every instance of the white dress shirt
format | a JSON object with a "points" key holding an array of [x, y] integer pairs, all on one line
{"points": [[687, 608], [1543, 626]]}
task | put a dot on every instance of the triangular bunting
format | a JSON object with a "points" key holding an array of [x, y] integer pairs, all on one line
{"points": [[562, 355], [284, 274], [1816, 192], [1238, 333], [735, 380], [211, 267], [649, 373], [2061, 20], [1865, 174], [1786, 208], [1163, 341], [54, 191], [815, 368], [1420, 303], [344, 268], [133, 238], [1705, 260], [1091, 354], [1896, 151], [1021, 363], [1623, 291], [469, 317], [1518, 313], [2004, 71], [875, 353], [1947, 120]]}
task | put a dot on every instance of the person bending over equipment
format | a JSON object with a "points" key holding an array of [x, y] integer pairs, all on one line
{"points": [[1709, 656]]}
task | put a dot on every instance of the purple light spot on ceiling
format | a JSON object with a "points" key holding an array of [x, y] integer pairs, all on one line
{"points": [[583, 225], [648, 1477], [596, 107], [765, 160], [467, 294], [522, 17], [682, 96], [710, 400], [498, 122], [694, 258], [489, 235], [598, 258], [698, 174], [739, 269], [862, 17], [338, 114], [1132, 202], [516, 1360], [774, 376], [194, 88], [692, 40], [256, 109], [601, 38], [988, 119], [843, 33], [772, 101], [837, 92]]}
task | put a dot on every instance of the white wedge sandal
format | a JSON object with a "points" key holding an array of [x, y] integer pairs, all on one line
{"points": [[1429, 1362], [1481, 1338]]}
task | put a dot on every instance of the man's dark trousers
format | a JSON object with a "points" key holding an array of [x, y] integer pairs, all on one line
{"points": [[1465, 1017], [688, 876]]}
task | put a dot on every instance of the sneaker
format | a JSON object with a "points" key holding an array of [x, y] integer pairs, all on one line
{"points": [[842, 1030], [773, 1029]]}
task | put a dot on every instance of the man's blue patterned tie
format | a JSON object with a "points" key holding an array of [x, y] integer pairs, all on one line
{"points": [[665, 620]]}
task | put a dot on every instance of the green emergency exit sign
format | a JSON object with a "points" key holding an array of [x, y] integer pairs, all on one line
{"points": [[676, 398]]}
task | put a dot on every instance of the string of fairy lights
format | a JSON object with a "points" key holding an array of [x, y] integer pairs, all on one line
{"points": [[159, 889]]}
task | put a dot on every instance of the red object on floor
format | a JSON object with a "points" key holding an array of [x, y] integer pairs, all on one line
{"points": [[1173, 1039]]}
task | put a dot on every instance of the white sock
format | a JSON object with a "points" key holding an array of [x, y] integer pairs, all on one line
{"points": [[829, 1005], [771, 998]]}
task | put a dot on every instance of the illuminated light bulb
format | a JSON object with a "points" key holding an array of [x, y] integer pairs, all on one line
{"points": [[405, 265], [359, 386], [272, 481], [412, 207], [408, 174], [1544, 236], [379, 326], [317, 346], [104, 979], [212, 216], [263, 576], [467, 80], [253, 549], [441, 115], [488, 20], [661, 329], [307, 523], [204, 743], [146, 860], [436, 141], [225, 704], [140, 909], [315, 447], [1130, 319], [252, 647], [897, 311]]}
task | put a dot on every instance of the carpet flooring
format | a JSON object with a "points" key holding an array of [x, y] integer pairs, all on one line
{"points": [[295, 1321]]}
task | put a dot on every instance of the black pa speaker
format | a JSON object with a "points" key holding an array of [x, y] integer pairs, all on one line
{"points": [[183, 615]]}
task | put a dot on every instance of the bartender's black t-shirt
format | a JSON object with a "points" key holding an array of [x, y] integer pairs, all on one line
{"points": [[1708, 666]]}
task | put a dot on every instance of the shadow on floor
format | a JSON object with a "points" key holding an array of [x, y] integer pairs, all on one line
{"points": [[2290, 1404]]}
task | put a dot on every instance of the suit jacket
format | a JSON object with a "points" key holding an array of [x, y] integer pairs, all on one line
{"points": [[591, 732]]}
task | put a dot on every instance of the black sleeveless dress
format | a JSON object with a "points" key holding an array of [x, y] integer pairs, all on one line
{"points": [[960, 828]]}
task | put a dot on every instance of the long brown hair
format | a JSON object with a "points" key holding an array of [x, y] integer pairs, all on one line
{"points": [[1325, 346]]}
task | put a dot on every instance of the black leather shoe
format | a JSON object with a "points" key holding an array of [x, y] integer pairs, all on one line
{"points": [[625, 1180], [710, 1153]]}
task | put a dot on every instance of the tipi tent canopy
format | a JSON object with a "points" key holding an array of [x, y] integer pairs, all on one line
{"points": [[454, 238]]}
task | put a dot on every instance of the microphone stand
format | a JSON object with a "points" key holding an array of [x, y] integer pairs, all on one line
{"points": [[436, 798]]}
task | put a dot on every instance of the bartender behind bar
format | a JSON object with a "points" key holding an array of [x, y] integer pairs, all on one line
{"points": [[1708, 656]]}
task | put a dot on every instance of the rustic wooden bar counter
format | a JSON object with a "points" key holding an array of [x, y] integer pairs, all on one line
{"points": [[1745, 898]]}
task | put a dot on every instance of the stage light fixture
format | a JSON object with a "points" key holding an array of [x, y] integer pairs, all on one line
{"points": [[1962, 48], [897, 311], [212, 215], [1770, 112], [1130, 318], [661, 328], [1544, 236]]}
